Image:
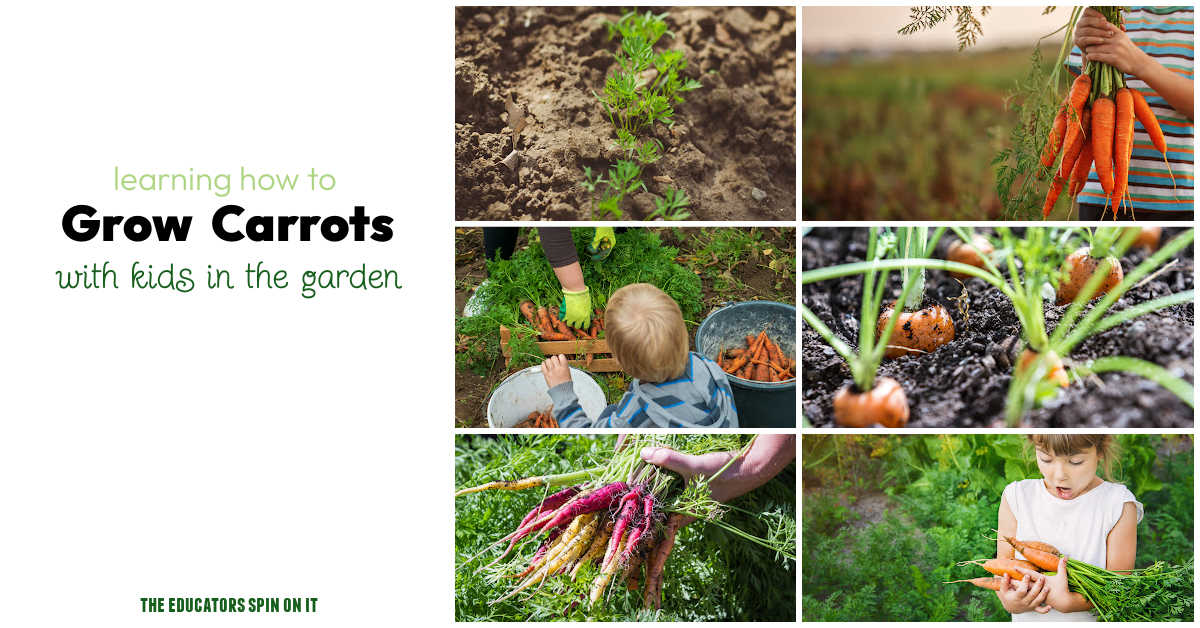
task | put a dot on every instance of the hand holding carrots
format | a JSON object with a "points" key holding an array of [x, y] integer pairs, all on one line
{"points": [[1058, 593], [1028, 594], [556, 371], [1103, 42]]}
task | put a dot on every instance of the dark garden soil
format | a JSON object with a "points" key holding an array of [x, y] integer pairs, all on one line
{"points": [[732, 147], [964, 383], [721, 282]]}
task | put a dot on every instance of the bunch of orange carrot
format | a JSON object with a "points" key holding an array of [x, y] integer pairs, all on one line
{"points": [[761, 360], [550, 327], [545, 418], [1094, 125]]}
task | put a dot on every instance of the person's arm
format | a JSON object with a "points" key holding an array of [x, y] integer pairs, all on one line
{"points": [[769, 454], [1122, 540], [1099, 40]]}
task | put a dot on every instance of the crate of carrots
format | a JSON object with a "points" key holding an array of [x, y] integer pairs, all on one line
{"points": [[760, 360], [556, 337]]}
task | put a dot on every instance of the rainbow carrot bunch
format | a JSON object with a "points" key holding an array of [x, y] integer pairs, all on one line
{"points": [[761, 360], [1094, 125], [618, 525]]}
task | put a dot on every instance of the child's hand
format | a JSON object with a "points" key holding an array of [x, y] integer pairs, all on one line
{"points": [[556, 370], [1102, 41], [1029, 594], [1059, 593]]}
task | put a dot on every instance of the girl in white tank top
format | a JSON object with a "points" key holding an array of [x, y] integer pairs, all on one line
{"points": [[1074, 510]]}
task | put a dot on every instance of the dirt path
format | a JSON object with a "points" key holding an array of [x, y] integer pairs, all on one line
{"points": [[732, 147]]}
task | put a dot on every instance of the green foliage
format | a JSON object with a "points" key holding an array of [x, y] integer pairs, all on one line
{"points": [[967, 27], [639, 257], [632, 101], [940, 497], [477, 345], [711, 575], [672, 206]]}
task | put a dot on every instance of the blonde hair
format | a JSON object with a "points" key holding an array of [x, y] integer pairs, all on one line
{"points": [[1071, 444], [646, 333]]}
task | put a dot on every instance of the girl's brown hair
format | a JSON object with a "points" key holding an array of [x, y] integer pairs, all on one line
{"points": [[1071, 444]]}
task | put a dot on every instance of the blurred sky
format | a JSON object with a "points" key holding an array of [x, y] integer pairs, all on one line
{"points": [[874, 28]]}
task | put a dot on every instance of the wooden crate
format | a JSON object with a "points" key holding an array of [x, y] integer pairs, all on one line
{"points": [[598, 347]]}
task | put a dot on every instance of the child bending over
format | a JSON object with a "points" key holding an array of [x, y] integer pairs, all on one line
{"points": [[672, 386]]}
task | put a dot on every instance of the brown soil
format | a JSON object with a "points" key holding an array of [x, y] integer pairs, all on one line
{"points": [[733, 140]]}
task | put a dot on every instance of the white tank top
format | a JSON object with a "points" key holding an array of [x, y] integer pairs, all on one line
{"points": [[1077, 527]]}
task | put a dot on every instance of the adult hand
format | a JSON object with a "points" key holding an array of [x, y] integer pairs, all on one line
{"points": [[1102, 41], [577, 306], [555, 370], [1029, 594], [769, 454], [603, 242]]}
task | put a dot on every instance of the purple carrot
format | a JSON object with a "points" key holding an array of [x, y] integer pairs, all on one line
{"points": [[602, 498], [647, 521], [626, 514], [549, 504]]}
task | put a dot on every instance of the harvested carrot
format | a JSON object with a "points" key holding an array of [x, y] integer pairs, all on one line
{"points": [[1143, 113], [1055, 371], [961, 252], [1052, 196], [1122, 146], [992, 583], [529, 311], [1073, 146], [1045, 561], [886, 405], [1045, 547], [1006, 566], [1079, 267], [922, 331], [1104, 112], [1055, 138], [1078, 96], [507, 485], [1079, 174]]}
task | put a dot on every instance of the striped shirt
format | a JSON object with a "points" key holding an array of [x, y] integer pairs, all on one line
{"points": [[1166, 34]]}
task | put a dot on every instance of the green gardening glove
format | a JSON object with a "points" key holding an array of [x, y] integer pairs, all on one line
{"points": [[602, 243], [577, 308]]}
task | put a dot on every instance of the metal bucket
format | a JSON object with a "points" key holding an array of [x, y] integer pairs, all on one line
{"points": [[525, 391], [759, 404]]}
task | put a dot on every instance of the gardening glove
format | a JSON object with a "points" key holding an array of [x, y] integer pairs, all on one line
{"points": [[577, 308], [602, 243]]}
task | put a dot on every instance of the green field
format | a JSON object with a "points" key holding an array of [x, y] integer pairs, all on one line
{"points": [[909, 137]]}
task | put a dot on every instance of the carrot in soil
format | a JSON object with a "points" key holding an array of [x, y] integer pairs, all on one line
{"points": [[1104, 117], [1143, 113], [917, 332], [1122, 146], [1055, 372], [886, 405], [1045, 561], [1148, 238], [1079, 267], [961, 252]]}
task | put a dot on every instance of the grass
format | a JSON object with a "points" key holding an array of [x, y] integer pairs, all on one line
{"points": [[909, 137]]}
